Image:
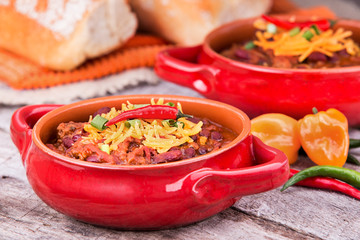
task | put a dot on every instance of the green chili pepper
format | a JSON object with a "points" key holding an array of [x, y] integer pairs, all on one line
{"points": [[354, 143], [352, 159], [349, 176], [99, 122]]}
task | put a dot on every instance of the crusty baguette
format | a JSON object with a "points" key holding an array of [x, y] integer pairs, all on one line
{"points": [[187, 22], [62, 34]]}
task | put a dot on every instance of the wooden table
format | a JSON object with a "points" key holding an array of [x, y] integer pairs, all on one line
{"points": [[297, 213]]}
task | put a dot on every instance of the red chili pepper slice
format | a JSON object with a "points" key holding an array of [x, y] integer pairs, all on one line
{"points": [[150, 111], [328, 184], [322, 24]]}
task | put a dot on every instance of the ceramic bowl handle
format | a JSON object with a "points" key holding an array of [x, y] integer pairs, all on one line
{"points": [[22, 123], [271, 171], [179, 65]]}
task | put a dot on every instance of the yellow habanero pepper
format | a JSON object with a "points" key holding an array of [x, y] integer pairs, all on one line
{"points": [[324, 136], [278, 131]]}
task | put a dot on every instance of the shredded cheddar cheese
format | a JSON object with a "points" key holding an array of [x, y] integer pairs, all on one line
{"points": [[154, 133], [326, 42]]}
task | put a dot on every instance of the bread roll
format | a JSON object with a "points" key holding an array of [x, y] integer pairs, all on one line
{"points": [[187, 22], [62, 34]]}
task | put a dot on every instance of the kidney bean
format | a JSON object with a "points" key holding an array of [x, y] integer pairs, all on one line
{"points": [[194, 137], [343, 53], [334, 58], [68, 142], [194, 119], [101, 111], [189, 153], [93, 158], [242, 54], [168, 156], [202, 150], [317, 56], [215, 135], [205, 132], [76, 137]]}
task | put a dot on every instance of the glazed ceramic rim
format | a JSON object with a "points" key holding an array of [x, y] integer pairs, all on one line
{"points": [[70, 107], [223, 29]]}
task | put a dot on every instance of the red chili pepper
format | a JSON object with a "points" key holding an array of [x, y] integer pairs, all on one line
{"points": [[150, 111], [327, 183], [322, 24]]}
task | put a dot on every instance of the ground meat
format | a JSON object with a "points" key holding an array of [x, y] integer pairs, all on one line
{"points": [[82, 151], [67, 135], [69, 142], [315, 60]]}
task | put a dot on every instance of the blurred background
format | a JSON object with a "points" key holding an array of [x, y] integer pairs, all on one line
{"points": [[342, 8]]}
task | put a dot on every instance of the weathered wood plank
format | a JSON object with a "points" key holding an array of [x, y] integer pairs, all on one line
{"points": [[298, 213], [24, 216], [325, 214]]}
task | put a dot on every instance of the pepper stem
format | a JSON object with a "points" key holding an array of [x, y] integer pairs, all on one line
{"points": [[314, 110], [180, 115], [332, 22]]}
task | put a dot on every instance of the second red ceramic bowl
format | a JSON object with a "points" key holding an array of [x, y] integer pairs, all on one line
{"points": [[151, 196], [256, 89]]}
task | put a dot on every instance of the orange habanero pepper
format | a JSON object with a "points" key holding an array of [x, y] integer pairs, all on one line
{"points": [[278, 131], [324, 136]]}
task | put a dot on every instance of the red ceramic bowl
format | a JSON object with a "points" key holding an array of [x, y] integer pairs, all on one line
{"points": [[145, 197], [256, 89]]}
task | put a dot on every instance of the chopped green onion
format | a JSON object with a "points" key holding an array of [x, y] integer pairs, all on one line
{"points": [[170, 104], [99, 122], [132, 122], [294, 31], [271, 28], [105, 148], [177, 124], [308, 35], [316, 29], [140, 105], [169, 122], [249, 45]]}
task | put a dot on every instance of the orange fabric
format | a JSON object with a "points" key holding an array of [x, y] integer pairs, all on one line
{"points": [[20, 73]]}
